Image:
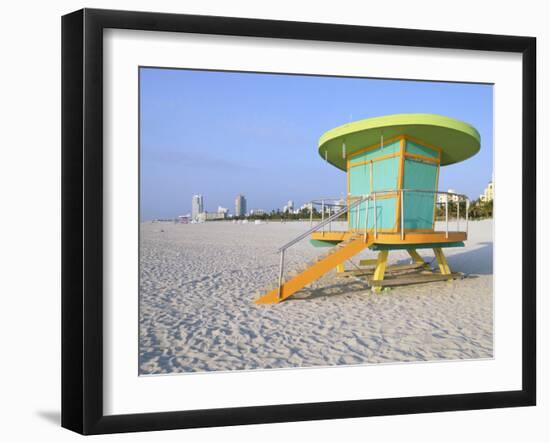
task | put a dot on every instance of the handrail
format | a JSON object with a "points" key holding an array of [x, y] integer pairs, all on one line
{"points": [[335, 201], [324, 222], [372, 196], [358, 200], [283, 248]]}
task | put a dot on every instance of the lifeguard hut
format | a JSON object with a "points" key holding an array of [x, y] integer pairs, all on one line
{"points": [[393, 203]]}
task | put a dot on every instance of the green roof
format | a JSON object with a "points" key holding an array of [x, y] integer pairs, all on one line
{"points": [[458, 140]]}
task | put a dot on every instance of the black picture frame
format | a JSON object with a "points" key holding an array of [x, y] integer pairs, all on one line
{"points": [[82, 215]]}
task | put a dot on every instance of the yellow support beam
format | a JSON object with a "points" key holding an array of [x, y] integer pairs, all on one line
{"points": [[417, 258], [368, 262], [340, 268], [380, 268], [442, 261]]}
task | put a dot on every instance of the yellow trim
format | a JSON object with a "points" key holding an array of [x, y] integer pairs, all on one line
{"points": [[400, 178], [421, 231], [377, 145], [394, 238], [422, 157], [380, 230], [371, 188], [383, 157], [436, 189], [422, 143], [389, 194], [347, 195]]}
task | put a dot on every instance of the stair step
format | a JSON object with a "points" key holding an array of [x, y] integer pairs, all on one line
{"points": [[314, 270]]}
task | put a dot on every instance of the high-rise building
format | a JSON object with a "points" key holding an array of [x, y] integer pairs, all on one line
{"points": [[197, 206], [240, 206], [488, 193], [289, 207]]}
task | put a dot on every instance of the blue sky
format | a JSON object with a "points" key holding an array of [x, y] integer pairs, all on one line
{"points": [[220, 134]]}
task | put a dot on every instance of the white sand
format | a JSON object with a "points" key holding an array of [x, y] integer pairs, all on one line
{"points": [[198, 283]]}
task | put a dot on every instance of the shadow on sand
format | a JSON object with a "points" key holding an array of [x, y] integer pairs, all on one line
{"points": [[472, 263], [477, 261]]}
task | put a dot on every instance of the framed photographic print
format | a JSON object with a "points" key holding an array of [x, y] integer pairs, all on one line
{"points": [[268, 221]]}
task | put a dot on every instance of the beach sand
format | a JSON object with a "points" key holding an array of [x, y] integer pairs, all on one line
{"points": [[198, 283]]}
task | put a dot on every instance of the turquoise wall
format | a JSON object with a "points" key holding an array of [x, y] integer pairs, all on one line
{"points": [[359, 179], [415, 148], [419, 207], [385, 213], [385, 174]]}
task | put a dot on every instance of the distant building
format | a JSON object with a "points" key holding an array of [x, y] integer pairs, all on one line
{"points": [[453, 198], [442, 198], [214, 215], [197, 206], [240, 206], [289, 207], [488, 193], [257, 212], [184, 218], [223, 210]]}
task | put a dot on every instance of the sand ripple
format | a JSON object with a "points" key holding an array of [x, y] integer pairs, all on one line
{"points": [[198, 283]]}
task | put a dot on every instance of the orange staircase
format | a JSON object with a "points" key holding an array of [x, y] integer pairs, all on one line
{"points": [[314, 270]]}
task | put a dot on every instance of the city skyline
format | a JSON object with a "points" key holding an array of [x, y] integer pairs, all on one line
{"points": [[486, 195], [198, 207], [221, 132], [488, 190]]}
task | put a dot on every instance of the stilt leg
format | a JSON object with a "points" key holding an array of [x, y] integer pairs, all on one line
{"points": [[442, 261], [340, 268], [368, 262], [380, 269], [417, 258]]}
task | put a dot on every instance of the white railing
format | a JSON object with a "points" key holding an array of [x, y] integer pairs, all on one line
{"points": [[337, 207], [440, 198], [306, 234]]}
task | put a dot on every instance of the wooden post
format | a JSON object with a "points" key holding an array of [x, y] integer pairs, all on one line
{"points": [[380, 269]]}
